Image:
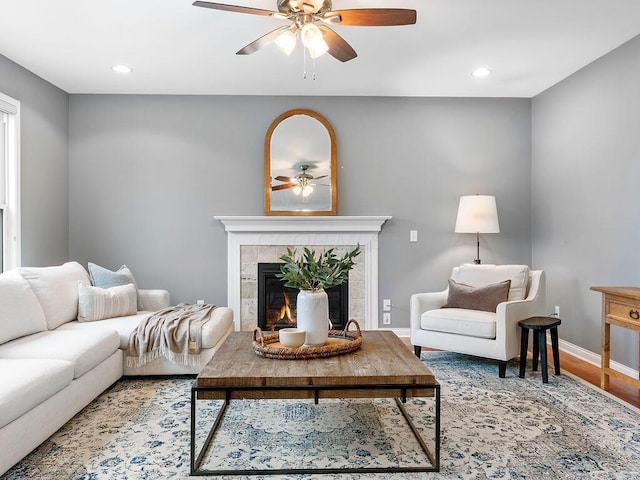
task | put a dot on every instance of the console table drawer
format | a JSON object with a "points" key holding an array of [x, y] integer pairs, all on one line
{"points": [[624, 311]]}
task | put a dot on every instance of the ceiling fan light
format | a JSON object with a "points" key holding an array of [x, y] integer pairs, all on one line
{"points": [[307, 190], [319, 49], [286, 41], [297, 189], [310, 34]]}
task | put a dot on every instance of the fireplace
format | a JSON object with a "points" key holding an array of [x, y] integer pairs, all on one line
{"points": [[277, 302], [256, 239]]}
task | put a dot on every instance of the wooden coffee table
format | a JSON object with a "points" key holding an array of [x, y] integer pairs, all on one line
{"points": [[382, 368]]}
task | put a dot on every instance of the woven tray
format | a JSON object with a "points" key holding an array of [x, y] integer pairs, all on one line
{"points": [[338, 343]]}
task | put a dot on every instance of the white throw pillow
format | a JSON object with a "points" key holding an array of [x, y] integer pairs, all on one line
{"points": [[96, 303], [481, 275], [56, 288], [20, 311]]}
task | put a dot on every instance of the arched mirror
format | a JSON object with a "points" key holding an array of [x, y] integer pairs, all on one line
{"points": [[300, 165]]}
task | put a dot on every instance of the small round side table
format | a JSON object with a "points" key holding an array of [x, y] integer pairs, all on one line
{"points": [[539, 325]]}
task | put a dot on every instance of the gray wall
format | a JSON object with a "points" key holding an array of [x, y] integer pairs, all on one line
{"points": [[44, 164], [585, 177], [148, 173]]}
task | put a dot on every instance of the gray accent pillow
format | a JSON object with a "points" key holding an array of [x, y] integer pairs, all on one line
{"points": [[104, 278], [484, 298]]}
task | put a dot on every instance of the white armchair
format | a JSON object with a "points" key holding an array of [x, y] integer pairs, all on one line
{"points": [[474, 332]]}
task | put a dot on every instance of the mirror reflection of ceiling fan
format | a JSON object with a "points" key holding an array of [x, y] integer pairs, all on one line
{"points": [[300, 183], [318, 39]]}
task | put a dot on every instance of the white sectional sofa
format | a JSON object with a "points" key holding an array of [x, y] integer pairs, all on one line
{"points": [[52, 366]]}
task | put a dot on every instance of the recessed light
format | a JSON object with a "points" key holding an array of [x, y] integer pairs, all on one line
{"points": [[481, 72], [121, 69]]}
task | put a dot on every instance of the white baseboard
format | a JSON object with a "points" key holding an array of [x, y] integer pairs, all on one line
{"points": [[594, 358], [401, 332]]}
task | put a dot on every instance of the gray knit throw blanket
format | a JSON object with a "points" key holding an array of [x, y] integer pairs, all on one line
{"points": [[174, 333]]}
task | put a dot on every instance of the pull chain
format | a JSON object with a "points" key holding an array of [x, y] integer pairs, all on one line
{"points": [[304, 66], [304, 63]]}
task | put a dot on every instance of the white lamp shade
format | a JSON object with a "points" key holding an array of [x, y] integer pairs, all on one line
{"points": [[477, 214]]}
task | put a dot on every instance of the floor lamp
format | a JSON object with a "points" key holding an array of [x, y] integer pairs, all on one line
{"points": [[477, 214]]}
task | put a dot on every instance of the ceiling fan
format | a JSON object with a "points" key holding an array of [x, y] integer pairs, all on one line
{"points": [[301, 183], [318, 39]]}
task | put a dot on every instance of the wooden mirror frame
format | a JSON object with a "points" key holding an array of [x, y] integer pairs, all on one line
{"points": [[267, 165]]}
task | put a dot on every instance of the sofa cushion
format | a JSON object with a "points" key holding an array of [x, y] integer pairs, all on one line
{"points": [[485, 298], [84, 350], [96, 303], [20, 311], [28, 383], [104, 278], [56, 288], [122, 325], [470, 323], [212, 331], [480, 275]]}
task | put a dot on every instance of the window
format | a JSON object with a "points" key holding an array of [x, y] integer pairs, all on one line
{"points": [[9, 182]]}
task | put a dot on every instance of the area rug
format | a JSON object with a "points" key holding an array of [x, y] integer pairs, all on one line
{"points": [[492, 428]]}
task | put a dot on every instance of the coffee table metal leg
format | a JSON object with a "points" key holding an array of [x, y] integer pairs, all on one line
{"points": [[434, 457], [195, 462]]}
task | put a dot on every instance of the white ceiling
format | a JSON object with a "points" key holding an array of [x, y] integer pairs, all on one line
{"points": [[176, 48]]}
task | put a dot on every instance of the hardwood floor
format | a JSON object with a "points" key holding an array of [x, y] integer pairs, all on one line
{"points": [[589, 373]]}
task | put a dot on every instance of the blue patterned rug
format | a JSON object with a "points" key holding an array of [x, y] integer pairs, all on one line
{"points": [[492, 428]]}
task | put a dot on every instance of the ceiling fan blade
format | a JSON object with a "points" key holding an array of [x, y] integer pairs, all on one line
{"points": [[263, 41], [283, 186], [372, 17], [321, 176], [235, 8], [338, 46], [281, 178]]}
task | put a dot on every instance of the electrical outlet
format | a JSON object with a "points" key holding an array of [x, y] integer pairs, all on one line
{"points": [[200, 302], [386, 305], [386, 318], [557, 311], [413, 235]]}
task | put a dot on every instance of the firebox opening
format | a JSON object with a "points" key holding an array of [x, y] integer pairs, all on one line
{"points": [[277, 302]]}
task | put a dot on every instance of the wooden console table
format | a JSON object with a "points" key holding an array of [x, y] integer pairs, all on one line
{"points": [[620, 307]]}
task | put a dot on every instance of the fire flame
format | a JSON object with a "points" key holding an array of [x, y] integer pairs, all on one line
{"points": [[285, 311]]}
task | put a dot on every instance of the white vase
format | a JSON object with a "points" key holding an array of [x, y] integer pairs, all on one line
{"points": [[312, 308]]}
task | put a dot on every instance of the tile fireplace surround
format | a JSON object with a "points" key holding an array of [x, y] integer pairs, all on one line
{"points": [[262, 239]]}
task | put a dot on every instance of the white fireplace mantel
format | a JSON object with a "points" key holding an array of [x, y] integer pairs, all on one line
{"points": [[302, 231], [303, 224]]}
